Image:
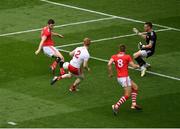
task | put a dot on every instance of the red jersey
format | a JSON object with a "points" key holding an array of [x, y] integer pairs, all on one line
{"points": [[47, 32], [121, 61]]}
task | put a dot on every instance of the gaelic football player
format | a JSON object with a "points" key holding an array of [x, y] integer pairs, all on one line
{"points": [[47, 45], [122, 61], [145, 50], [78, 63]]}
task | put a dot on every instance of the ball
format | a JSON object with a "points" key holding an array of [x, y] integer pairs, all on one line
{"points": [[65, 65]]}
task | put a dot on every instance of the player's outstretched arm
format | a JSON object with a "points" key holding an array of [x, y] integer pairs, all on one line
{"points": [[132, 64], [59, 35], [110, 67], [141, 34], [72, 53], [40, 45]]}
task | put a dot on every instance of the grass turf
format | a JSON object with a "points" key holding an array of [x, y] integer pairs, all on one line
{"points": [[25, 93]]}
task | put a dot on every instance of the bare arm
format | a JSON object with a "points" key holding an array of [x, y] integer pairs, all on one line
{"points": [[40, 44], [72, 53], [56, 34], [110, 67], [149, 45], [132, 64], [141, 34], [85, 65]]}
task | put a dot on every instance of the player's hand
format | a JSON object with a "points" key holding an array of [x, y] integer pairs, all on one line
{"points": [[140, 45], [37, 52], [136, 31], [110, 75], [61, 36], [88, 69]]}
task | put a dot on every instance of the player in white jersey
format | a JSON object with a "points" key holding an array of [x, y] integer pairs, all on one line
{"points": [[80, 57]]}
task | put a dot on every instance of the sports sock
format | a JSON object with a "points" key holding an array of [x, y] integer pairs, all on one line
{"points": [[121, 101], [54, 64], [134, 96], [62, 71]]}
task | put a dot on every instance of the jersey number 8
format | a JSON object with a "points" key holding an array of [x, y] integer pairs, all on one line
{"points": [[120, 63]]}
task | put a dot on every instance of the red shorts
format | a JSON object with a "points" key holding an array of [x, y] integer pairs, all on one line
{"points": [[73, 70]]}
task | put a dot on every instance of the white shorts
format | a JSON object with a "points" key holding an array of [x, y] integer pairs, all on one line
{"points": [[145, 53], [50, 50], [124, 81]]}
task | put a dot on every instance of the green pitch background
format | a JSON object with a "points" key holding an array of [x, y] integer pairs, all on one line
{"points": [[26, 96]]}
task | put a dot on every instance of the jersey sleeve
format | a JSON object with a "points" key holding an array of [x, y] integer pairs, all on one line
{"points": [[113, 57], [86, 57], [152, 37]]}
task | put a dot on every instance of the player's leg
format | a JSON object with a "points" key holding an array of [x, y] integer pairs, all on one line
{"points": [[57, 78], [55, 63], [124, 98], [51, 52], [149, 54], [74, 86], [134, 94], [138, 56], [59, 59], [127, 92]]}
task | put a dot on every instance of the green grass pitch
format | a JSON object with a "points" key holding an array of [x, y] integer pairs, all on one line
{"points": [[26, 96]]}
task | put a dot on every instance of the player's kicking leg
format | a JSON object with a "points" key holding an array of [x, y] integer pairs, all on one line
{"points": [[57, 78], [51, 51], [134, 94], [59, 59]]}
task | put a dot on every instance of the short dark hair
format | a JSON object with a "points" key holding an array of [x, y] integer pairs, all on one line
{"points": [[122, 48], [51, 21], [149, 24]]}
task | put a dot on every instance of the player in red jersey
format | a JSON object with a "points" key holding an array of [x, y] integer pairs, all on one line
{"points": [[47, 44], [122, 61]]}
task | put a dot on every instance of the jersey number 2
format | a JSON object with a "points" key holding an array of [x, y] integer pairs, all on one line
{"points": [[77, 54], [120, 63]]}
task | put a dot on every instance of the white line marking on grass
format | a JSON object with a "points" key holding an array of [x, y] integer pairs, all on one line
{"points": [[58, 26], [150, 72], [11, 123], [105, 14], [110, 38]]}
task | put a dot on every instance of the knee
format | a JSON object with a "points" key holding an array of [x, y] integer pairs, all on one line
{"points": [[126, 97], [134, 86], [69, 76], [135, 55], [135, 89]]}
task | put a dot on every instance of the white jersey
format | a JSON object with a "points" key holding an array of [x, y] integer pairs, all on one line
{"points": [[81, 54]]}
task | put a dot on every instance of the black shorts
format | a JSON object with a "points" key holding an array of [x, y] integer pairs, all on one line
{"points": [[149, 53]]}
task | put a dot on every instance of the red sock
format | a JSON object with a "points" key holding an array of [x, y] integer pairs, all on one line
{"points": [[62, 71], [54, 65], [121, 101], [133, 96]]}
